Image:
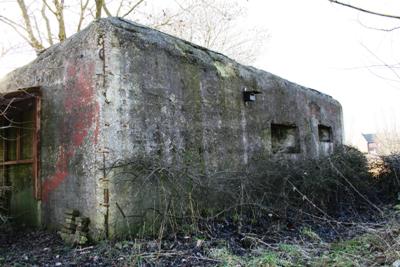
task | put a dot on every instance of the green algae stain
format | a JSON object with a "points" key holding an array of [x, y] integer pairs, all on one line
{"points": [[24, 208], [224, 70]]}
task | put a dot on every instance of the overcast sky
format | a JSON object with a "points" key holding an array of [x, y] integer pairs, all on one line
{"points": [[319, 45], [329, 48]]}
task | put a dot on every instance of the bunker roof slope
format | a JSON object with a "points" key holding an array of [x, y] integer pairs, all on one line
{"points": [[201, 55], [41, 70]]}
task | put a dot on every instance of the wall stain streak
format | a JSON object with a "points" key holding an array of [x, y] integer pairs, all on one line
{"points": [[82, 113]]}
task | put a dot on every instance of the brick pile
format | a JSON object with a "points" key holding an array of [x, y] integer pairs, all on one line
{"points": [[75, 230]]}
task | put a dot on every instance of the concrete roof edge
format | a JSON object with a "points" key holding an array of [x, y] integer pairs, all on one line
{"points": [[133, 26], [136, 27]]}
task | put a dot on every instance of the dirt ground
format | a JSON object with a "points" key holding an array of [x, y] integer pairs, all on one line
{"points": [[369, 240]]}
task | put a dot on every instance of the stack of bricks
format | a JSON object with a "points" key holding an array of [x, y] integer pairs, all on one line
{"points": [[75, 230], [82, 230], [69, 226]]}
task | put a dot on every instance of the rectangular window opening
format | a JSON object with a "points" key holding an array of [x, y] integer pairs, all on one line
{"points": [[325, 133], [285, 138]]}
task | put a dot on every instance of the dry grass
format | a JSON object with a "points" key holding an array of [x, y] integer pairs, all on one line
{"points": [[372, 246]]}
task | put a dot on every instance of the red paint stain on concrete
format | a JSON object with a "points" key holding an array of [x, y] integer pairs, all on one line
{"points": [[82, 115], [80, 131], [52, 183], [62, 171]]}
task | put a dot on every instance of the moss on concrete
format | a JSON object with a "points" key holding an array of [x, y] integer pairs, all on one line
{"points": [[24, 208], [224, 70]]}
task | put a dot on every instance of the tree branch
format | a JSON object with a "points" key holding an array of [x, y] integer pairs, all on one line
{"points": [[383, 62], [365, 10], [119, 7], [28, 27], [15, 26], [47, 23], [4, 51], [39, 34], [49, 7], [133, 8], [378, 29], [82, 14], [99, 5], [10, 22], [60, 18], [108, 13]]}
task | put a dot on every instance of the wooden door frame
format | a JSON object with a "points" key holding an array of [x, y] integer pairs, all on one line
{"points": [[33, 93]]}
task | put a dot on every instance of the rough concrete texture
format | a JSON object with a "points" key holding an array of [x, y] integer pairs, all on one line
{"points": [[67, 76], [117, 92]]}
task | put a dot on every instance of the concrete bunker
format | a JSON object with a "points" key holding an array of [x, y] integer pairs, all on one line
{"points": [[118, 92]]}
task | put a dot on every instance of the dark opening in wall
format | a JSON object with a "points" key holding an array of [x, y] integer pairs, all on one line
{"points": [[285, 138], [19, 164], [325, 133]]}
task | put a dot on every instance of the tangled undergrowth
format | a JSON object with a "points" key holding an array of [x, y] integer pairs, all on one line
{"points": [[273, 190], [330, 211], [354, 243]]}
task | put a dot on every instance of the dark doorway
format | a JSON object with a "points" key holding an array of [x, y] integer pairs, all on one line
{"points": [[19, 172]]}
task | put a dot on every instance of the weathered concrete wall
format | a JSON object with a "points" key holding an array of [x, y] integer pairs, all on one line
{"points": [[179, 104], [118, 92], [67, 75]]}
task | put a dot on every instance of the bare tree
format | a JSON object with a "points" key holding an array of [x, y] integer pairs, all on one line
{"points": [[213, 24], [388, 137], [217, 25], [388, 142], [37, 19], [384, 68]]}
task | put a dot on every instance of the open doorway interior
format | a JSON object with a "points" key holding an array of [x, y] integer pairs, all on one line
{"points": [[19, 181]]}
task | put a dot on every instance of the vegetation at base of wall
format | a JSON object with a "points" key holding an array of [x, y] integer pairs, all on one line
{"points": [[273, 190], [386, 172], [373, 248], [356, 244]]}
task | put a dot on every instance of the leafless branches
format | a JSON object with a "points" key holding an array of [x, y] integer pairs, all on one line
{"points": [[216, 25], [58, 11], [83, 7], [34, 42], [273, 188], [388, 138], [213, 24], [47, 23], [37, 19], [390, 67], [130, 10], [4, 50], [365, 10], [390, 29]]}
